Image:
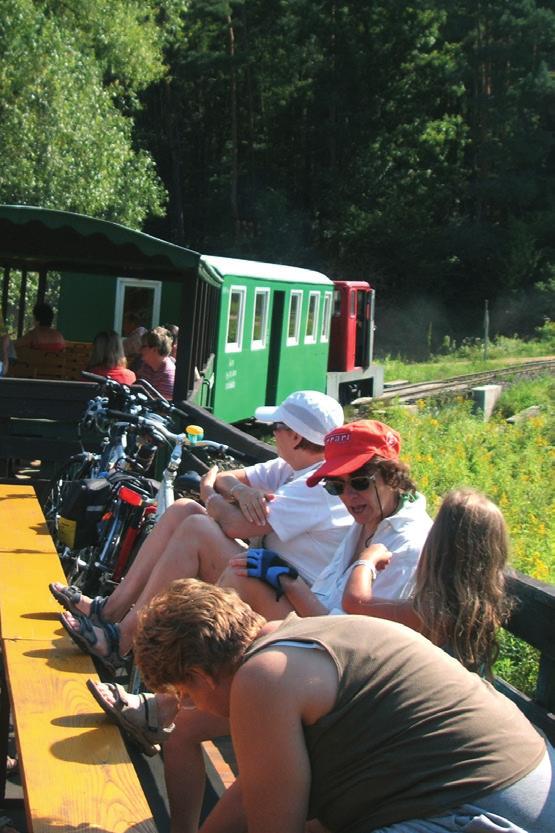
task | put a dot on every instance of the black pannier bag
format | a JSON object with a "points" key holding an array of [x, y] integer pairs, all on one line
{"points": [[82, 508]]}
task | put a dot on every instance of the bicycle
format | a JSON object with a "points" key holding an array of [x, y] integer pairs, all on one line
{"points": [[88, 464], [134, 506]]}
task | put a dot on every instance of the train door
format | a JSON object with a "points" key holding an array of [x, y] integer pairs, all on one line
{"points": [[364, 326], [276, 332], [141, 299]]}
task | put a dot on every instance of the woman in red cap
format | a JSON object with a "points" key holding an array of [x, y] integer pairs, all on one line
{"points": [[380, 552]]}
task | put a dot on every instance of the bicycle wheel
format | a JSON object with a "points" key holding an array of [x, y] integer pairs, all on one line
{"points": [[76, 468], [91, 568]]}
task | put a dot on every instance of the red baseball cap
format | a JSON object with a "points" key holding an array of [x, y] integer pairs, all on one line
{"points": [[348, 448]]}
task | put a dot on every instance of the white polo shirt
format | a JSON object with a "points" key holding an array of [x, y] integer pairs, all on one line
{"points": [[403, 534], [308, 524]]}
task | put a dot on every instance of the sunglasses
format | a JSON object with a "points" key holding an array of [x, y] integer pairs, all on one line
{"points": [[359, 484]]}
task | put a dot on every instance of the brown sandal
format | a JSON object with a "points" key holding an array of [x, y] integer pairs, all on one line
{"points": [[140, 724]]}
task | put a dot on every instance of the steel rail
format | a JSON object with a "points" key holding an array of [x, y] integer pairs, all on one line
{"points": [[410, 392]]}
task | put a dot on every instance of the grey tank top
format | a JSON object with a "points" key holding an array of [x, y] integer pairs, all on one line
{"points": [[412, 733]]}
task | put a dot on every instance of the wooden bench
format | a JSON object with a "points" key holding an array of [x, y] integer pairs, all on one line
{"points": [[75, 769], [43, 364]]}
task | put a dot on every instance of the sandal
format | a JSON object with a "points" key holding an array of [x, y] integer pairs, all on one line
{"points": [[86, 639], [69, 597], [141, 723]]}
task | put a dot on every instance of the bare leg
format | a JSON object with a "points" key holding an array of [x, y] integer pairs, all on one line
{"points": [[257, 594], [198, 548], [129, 589], [184, 765]]}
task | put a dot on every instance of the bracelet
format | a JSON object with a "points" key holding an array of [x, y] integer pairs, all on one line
{"points": [[362, 563]]}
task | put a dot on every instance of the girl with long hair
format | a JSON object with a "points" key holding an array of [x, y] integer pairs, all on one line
{"points": [[460, 597]]}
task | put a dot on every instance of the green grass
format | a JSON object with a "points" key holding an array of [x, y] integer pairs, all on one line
{"points": [[447, 446], [524, 394], [469, 357]]}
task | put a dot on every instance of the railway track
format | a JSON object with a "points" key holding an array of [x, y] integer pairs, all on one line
{"points": [[459, 384]]}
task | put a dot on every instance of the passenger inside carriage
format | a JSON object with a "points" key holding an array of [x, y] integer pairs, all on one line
{"points": [[43, 336], [133, 332], [156, 365], [108, 359]]}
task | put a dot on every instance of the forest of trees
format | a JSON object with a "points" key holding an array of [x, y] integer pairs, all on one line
{"points": [[410, 144]]}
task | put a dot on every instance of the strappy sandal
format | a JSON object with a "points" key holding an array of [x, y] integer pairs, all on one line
{"points": [[86, 639], [141, 724], [69, 597]]}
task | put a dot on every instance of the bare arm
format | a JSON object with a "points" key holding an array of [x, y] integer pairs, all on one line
{"points": [[358, 594], [234, 486], [296, 591], [358, 589], [252, 502], [230, 518], [401, 611], [270, 702]]}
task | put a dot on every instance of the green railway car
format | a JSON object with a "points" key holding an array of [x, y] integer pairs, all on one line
{"points": [[250, 332], [272, 337]]}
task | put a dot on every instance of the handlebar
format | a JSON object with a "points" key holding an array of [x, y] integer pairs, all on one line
{"points": [[177, 439]]}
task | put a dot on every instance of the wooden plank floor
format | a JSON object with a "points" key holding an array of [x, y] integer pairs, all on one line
{"points": [[74, 765], [91, 781]]}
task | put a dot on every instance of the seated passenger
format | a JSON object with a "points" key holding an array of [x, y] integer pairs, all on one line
{"points": [[355, 722], [157, 367], [461, 602], [460, 598], [384, 544], [108, 359], [43, 336], [133, 332], [271, 499]]}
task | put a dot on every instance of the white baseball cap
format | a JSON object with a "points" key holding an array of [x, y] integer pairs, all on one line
{"points": [[308, 412]]}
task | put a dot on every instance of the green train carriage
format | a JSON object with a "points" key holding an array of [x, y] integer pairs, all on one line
{"points": [[272, 338], [250, 332]]}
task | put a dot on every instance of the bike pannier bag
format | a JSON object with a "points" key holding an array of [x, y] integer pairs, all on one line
{"points": [[83, 505]]}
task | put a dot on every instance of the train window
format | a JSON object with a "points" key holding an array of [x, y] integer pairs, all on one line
{"points": [[352, 303], [235, 319], [260, 320], [336, 303], [325, 334], [312, 318], [294, 325]]}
